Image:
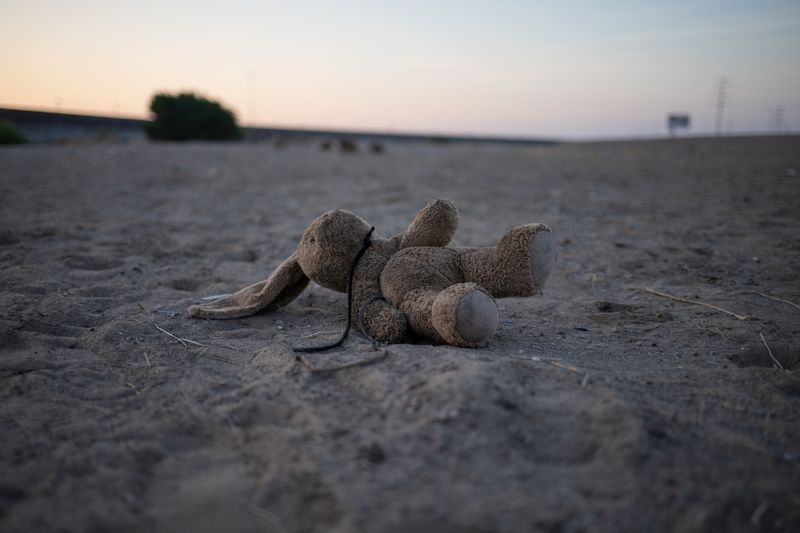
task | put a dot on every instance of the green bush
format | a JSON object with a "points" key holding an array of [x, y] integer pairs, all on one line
{"points": [[9, 134], [187, 116]]}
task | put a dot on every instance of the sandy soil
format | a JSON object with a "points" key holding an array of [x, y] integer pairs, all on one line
{"points": [[597, 406]]}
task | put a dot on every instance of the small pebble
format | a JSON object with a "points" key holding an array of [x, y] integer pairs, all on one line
{"points": [[372, 453]]}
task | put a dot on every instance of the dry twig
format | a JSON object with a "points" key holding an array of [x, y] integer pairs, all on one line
{"points": [[551, 361], [765, 295], [696, 302], [770, 351], [159, 328], [755, 518], [268, 516], [318, 370], [320, 333], [186, 341], [712, 330], [565, 366]]}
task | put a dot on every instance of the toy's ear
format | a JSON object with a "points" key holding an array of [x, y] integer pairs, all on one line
{"points": [[434, 225], [282, 286]]}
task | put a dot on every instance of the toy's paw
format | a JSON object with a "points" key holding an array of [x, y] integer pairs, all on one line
{"points": [[543, 257], [382, 322], [524, 259], [476, 317], [465, 315]]}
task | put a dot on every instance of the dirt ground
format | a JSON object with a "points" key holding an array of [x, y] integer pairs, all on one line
{"points": [[598, 406]]}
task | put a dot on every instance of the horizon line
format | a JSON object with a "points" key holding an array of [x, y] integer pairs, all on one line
{"points": [[467, 136]]}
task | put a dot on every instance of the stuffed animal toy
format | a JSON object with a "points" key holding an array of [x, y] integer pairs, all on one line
{"points": [[409, 283]]}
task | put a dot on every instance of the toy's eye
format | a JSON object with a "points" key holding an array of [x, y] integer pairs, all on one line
{"points": [[311, 240]]}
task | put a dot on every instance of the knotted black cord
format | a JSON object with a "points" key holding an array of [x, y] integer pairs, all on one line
{"points": [[309, 349]]}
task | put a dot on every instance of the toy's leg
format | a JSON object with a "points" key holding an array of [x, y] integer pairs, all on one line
{"points": [[518, 266], [381, 321], [462, 315]]}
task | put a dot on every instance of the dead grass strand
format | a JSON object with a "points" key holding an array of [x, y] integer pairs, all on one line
{"points": [[770, 351], [162, 330], [765, 295], [362, 362], [696, 302]]}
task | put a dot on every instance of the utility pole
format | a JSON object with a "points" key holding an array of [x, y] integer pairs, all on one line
{"points": [[722, 100], [250, 114], [251, 97], [777, 119]]}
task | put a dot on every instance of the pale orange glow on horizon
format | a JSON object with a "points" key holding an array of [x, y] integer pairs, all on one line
{"points": [[599, 69]]}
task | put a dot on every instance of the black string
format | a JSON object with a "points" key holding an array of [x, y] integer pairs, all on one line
{"points": [[309, 349]]}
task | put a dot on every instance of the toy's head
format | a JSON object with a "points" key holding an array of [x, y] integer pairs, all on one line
{"points": [[325, 255], [329, 246]]}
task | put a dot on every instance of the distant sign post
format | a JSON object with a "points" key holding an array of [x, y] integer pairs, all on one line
{"points": [[677, 121]]}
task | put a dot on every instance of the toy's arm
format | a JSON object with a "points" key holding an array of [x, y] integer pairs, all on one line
{"points": [[434, 225], [379, 318]]}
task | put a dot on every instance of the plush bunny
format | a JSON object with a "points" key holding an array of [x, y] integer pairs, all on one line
{"points": [[410, 282]]}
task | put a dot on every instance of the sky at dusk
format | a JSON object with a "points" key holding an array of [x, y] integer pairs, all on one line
{"points": [[522, 68]]}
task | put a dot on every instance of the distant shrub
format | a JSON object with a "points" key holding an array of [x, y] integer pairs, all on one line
{"points": [[347, 145], [187, 116], [279, 141], [9, 134]]}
